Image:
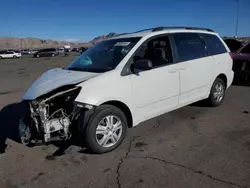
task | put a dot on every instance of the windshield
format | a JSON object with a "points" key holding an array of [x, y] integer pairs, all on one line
{"points": [[103, 56]]}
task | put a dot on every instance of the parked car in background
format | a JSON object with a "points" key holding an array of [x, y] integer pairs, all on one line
{"points": [[75, 50], [233, 44], [240, 53], [48, 52], [241, 64], [60, 50], [10, 54], [82, 49], [145, 74], [25, 52], [17, 51], [33, 51], [2, 52]]}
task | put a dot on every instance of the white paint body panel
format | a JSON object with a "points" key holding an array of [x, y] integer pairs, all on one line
{"points": [[157, 91], [153, 92], [195, 79]]}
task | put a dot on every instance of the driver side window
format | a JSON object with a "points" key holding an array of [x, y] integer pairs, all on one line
{"points": [[158, 50]]}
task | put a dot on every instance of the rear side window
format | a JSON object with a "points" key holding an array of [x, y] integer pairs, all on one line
{"points": [[214, 44], [189, 46]]}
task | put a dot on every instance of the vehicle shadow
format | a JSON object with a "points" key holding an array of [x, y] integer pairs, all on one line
{"points": [[9, 122], [64, 145]]}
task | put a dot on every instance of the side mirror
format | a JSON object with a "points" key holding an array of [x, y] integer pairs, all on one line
{"points": [[141, 65]]}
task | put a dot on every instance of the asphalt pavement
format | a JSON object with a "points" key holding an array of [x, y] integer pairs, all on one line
{"points": [[195, 146]]}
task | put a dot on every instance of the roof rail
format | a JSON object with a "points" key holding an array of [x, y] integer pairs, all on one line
{"points": [[174, 27], [150, 29], [181, 27]]}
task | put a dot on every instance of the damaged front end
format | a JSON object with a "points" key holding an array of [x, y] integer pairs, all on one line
{"points": [[50, 116]]}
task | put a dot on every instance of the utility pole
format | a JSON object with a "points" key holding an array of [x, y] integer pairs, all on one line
{"points": [[237, 19]]}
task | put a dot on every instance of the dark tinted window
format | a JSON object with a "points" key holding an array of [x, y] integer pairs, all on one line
{"points": [[9, 53], [48, 50], [189, 46], [246, 49], [214, 44]]}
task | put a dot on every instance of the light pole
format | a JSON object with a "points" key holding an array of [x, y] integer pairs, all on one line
{"points": [[237, 18]]}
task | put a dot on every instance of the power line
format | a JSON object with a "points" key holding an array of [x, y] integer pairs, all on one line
{"points": [[237, 18]]}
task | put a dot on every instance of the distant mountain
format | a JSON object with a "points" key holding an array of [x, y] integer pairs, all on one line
{"points": [[103, 37], [27, 43]]}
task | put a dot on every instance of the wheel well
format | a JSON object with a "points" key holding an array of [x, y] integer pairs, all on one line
{"points": [[224, 78], [123, 107]]}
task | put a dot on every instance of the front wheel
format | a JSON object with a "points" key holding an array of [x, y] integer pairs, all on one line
{"points": [[217, 93], [105, 129], [14, 57]]}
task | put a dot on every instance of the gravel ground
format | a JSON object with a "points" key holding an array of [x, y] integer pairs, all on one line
{"points": [[194, 146]]}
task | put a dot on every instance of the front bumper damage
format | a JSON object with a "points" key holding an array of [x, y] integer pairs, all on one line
{"points": [[50, 117]]}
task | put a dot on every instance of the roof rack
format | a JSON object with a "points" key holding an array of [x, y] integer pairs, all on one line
{"points": [[174, 27]]}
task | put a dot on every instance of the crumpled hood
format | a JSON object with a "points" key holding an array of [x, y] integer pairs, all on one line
{"points": [[55, 78]]}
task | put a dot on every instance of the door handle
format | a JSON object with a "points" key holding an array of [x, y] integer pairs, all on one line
{"points": [[173, 71]]}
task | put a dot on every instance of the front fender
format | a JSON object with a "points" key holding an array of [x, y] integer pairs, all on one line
{"points": [[104, 88]]}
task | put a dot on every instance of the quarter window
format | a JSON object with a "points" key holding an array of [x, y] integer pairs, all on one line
{"points": [[189, 46], [214, 44]]}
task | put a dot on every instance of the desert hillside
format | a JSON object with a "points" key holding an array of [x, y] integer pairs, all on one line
{"points": [[29, 42], [26, 43]]}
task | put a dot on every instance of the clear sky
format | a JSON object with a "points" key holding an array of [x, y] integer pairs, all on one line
{"points": [[82, 20]]}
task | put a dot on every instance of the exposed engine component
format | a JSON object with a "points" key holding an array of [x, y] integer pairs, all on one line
{"points": [[50, 116]]}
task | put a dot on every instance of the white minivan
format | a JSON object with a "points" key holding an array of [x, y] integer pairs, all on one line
{"points": [[125, 80]]}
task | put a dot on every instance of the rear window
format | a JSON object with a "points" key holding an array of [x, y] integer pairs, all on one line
{"points": [[189, 46], [214, 44]]}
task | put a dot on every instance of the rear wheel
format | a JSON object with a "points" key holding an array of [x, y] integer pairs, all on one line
{"points": [[217, 93], [105, 129], [14, 57], [1, 57], [37, 55], [53, 55]]}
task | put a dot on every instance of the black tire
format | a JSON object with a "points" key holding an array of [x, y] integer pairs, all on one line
{"points": [[1, 57], [14, 57], [212, 100], [92, 119]]}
